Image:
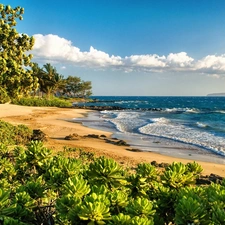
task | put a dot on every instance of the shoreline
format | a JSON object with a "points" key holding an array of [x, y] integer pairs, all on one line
{"points": [[56, 123], [155, 144]]}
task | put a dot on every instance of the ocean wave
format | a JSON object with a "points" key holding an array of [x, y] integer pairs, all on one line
{"points": [[182, 110], [193, 110], [172, 110], [132, 103], [220, 111], [161, 120], [125, 121], [171, 126], [199, 124], [185, 134]]}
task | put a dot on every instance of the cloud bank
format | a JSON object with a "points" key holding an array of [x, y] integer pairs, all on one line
{"points": [[59, 50]]}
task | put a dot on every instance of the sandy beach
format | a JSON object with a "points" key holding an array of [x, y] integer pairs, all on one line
{"points": [[57, 123]]}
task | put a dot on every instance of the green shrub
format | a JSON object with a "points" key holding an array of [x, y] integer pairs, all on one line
{"points": [[191, 211], [107, 172], [39, 188], [14, 135], [54, 102], [4, 98], [178, 175]]}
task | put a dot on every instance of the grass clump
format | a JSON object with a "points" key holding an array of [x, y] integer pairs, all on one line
{"points": [[14, 135], [54, 102]]}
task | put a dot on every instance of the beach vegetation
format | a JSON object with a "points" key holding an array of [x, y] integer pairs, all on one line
{"points": [[75, 87], [14, 135], [51, 83], [49, 80], [16, 78], [19, 77], [107, 172], [177, 175], [34, 101], [39, 187]]}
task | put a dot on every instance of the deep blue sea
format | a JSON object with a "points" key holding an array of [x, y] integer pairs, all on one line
{"points": [[194, 124]]}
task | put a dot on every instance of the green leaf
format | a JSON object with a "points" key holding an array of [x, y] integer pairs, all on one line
{"points": [[106, 172], [140, 207], [76, 186], [95, 212]]}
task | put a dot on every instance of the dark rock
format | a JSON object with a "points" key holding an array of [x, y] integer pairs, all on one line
{"points": [[156, 142], [112, 107], [154, 163], [73, 136], [215, 178], [117, 142], [99, 108], [208, 179], [163, 165], [134, 150], [102, 136], [93, 136], [122, 143], [38, 135], [203, 181]]}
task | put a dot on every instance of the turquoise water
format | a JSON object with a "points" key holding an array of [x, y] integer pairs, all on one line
{"points": [[196, 121]]}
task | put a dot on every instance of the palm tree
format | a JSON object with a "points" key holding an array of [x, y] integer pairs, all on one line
{"points": [[39, 73], [48, 84], [48, 78]]}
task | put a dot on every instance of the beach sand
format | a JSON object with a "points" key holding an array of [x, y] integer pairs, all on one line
{"points": [[57, 123]]}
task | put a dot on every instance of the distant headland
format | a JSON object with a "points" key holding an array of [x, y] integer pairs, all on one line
{"points": [[217, 94]]}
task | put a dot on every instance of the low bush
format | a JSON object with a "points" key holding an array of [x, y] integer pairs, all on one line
{"points": [[37, 187], [14, 135], [54, 102]]}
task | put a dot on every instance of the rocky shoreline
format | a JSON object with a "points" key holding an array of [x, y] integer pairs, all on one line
{"points": [[202, 179], [102, 108], [50, 123]]}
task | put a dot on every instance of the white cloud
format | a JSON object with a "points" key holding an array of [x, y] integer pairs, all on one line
{"points": [[180, 59], [55, 48], [173, 62], [153, 61], [59, 50], [212, 63]]}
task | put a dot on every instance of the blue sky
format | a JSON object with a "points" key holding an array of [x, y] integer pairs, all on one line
{"points": [[131, 47]]}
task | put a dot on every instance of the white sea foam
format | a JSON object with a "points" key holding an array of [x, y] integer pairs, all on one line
{"points": [[161, 128], [220, 111], [161, 120], [126, 121], [201, 124], [186, 110], [174, 110], [147, 123], [132, 102], [192, 110]]}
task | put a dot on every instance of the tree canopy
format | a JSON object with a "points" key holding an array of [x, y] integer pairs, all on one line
{"points": [[75, 87], [52, 83], [14, 78], [18, 75]]}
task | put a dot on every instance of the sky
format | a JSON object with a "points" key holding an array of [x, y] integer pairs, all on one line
{"points": [[131, 47]]}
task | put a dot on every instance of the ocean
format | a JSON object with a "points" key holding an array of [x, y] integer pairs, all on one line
{"points": [[184, 127]]}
